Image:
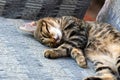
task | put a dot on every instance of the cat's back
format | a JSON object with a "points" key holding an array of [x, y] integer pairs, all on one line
{"points": [[103, 35], [102, 30]]}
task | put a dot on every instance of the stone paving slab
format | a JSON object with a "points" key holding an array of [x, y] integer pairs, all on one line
{"points": [[21, 57]]}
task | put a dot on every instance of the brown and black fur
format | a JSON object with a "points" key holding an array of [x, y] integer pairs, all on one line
{"points": [[99, 42]]}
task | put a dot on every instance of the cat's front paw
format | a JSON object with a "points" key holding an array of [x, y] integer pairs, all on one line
{"points": [[51, 54], [81, 61], [79, 57]]}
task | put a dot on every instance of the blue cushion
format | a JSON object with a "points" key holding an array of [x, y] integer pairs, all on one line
{"points": [[110, 13]]}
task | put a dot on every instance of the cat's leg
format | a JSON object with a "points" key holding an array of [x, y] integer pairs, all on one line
{"points": [[67, 50], [118, 64], [117, 61], [116, 57], [103, 70], [61, 51], [115, 50]]}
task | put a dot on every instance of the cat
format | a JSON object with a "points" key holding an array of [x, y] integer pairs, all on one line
{"points": [[82, 40]]}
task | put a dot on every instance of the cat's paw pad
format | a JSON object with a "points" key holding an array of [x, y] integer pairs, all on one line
{"points": [[81, 61], [50, 54]]}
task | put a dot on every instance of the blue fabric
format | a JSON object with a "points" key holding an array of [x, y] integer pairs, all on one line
{"points": [[114, 14], [111, 14]]}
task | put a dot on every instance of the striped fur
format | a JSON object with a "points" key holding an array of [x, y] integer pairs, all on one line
{"points": [[99, 42]]}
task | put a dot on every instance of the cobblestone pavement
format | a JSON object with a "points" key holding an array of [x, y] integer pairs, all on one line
{"points": [[21, 57]]}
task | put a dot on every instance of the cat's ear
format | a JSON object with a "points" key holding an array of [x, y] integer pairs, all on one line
{"points": [[41, 23], [29, 27]]}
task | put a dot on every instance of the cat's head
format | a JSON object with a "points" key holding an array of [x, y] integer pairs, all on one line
{"points": [[48, 31]]}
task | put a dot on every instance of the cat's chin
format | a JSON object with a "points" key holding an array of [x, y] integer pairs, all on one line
{"points": [[54, 45]]}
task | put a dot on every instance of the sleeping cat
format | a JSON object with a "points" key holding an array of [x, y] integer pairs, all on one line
{"points": [[98, 42]]}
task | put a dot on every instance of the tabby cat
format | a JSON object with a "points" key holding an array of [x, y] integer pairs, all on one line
{"points": [[98, 42]]}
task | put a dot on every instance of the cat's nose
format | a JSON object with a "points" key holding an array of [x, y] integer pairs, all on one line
{"points": [[57, 39]]}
